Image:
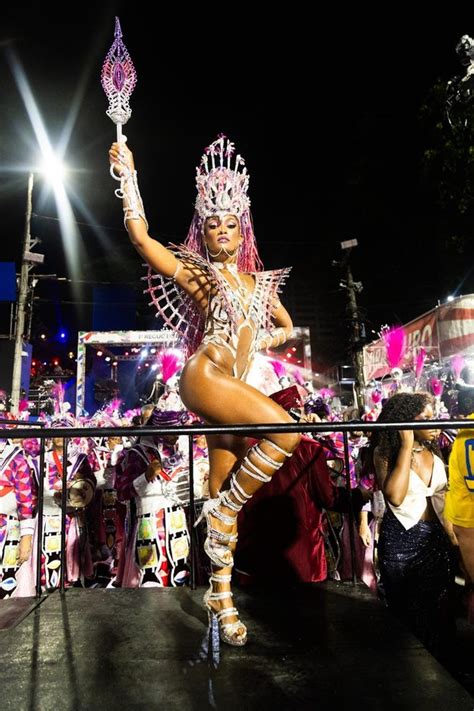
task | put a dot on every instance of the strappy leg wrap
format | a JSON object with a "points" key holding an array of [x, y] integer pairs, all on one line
{"points": [[229, 632], [217, 543], [254, 471]]}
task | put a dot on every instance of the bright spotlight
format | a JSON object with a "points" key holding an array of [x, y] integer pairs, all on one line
{"points": [[450, 298], [53, 169]]}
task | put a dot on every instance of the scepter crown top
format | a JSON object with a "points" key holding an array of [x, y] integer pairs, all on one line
{"points": [[118, 78]]}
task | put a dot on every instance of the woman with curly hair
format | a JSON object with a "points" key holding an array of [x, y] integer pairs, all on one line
{"points": [[414, 549]]}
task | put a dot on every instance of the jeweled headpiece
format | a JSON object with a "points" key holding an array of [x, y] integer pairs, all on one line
{"points": [[221, 181]]}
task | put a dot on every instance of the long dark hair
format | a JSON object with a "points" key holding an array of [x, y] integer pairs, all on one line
{"points": [[400, 407]]}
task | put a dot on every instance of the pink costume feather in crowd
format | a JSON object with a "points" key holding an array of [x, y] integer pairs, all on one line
{"points": [[279, 368], [376, 396], [420, 358], [57, 392], [436, 386], [457, 364], [394, 339], [170, 364], [113, 407], [298, 377]]}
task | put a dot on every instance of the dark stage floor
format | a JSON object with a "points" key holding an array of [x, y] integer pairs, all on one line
{"points": [[327, 646]]}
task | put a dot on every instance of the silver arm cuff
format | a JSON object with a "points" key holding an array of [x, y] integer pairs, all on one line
{"points": [[129, 191]]}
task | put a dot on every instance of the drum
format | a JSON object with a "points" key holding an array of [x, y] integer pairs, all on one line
{"points": [[80, 493]]}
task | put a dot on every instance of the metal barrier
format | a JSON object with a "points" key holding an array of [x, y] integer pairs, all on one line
{"points": [[255, 431]]}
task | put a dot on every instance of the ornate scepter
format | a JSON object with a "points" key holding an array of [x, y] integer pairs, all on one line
{"points": [[118, 79]]}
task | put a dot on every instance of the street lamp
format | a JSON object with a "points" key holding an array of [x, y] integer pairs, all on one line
{"points": [[53, 170]]}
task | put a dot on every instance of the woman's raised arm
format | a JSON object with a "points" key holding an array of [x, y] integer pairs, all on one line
{"points": [[394, 482], [161, 259]]}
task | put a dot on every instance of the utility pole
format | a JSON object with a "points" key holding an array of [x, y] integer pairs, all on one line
{"points": [[27, 260], [357, 328]]}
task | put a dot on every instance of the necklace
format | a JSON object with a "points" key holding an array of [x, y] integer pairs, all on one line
{"points": [[241, 291], [230, 266], [416, 450], [223, 250]]}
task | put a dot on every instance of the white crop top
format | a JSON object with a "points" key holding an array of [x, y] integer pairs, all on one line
{"points": [[414, 504]]}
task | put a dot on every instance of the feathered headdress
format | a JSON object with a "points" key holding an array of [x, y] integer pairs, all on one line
{"points": [[222, 189]]}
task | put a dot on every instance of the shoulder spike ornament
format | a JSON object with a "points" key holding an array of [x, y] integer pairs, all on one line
{"points": [[118, 79]]}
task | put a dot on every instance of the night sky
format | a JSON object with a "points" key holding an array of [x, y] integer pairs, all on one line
{"points": [[327, 116]]}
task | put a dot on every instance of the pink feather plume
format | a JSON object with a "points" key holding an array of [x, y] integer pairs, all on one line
{"points": [[279, 368], [376, 396], [436, 386], [394, 339], [420, 361], [57, 391], [113, 406], [23, 405], [457, 364], [298, 377], [170, 364]]}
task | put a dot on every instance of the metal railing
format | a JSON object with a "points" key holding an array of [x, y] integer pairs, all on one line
{"points": [[255, 431]]}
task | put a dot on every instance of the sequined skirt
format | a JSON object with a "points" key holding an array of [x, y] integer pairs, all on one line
{"points": [[416, 568]]}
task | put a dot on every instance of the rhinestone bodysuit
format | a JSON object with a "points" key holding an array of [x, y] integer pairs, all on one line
{"points": [[234, 318]]}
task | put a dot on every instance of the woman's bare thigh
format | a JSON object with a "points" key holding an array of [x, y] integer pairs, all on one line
{"points": [[220, 398]]}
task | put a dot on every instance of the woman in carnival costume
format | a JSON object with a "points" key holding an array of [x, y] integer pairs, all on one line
{"points": [[415, 554], [214, 292]]}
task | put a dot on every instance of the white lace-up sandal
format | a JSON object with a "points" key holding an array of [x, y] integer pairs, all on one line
{"points": [[229, 632]]}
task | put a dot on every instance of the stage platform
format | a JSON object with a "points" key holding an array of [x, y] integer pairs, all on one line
{"points": [[326, 646]]}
